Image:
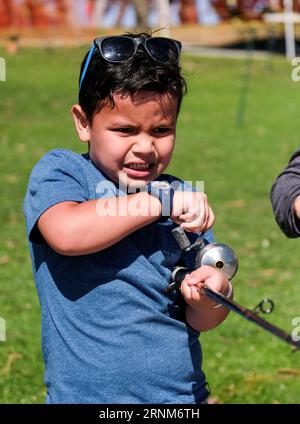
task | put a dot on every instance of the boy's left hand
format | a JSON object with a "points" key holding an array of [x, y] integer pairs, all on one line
{"points": [[193, 282], [192, 212]]}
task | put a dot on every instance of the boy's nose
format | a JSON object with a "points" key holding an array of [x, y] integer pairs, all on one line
{"points": [[143, 145]]}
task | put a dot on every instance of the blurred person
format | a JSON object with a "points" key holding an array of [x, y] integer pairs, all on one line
{"points": [[64, 12], [174, 12], [222, 9], [188, 12], [164, 16], [6, 13], [115, 13], [207, 14], [296, 5], [35, 13], [252, 9], [122, 8], [98, 12], [80, 13], [285, 197], [41, 13], [17, 12], [67, 10], [275, 5], [142, 10]]}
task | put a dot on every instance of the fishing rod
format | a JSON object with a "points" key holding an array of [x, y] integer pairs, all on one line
{"points": [[223, 258]]}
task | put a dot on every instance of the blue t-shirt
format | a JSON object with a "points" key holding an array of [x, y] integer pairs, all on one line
{"points": [[110, 333]]}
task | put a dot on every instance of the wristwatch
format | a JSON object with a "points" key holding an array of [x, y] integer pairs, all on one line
{"points": [[163, 191]]}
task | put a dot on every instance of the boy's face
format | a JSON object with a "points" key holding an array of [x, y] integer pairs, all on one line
{"points": [[136, 137]]}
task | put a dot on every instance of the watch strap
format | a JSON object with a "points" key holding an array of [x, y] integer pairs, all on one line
{"points": [[165, 195], [166, 200]]}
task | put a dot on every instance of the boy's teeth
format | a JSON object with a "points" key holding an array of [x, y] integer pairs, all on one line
{"points": [[139, 166]]}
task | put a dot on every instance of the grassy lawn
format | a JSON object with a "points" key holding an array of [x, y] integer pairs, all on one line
{"points": [[243, 363]]}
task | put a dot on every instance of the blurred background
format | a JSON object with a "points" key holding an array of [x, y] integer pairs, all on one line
{"points": [[126, 13], [273, 24], [104, 13], [237, 129], [204, 22]]}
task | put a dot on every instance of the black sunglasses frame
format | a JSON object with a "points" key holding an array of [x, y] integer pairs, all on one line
{"points": [[137, 42]]}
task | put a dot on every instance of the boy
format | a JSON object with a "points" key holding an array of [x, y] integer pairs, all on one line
{"points": [[101, 242]]}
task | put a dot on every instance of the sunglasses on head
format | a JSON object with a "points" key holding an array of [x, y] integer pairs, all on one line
{"points": [[120, 48]]}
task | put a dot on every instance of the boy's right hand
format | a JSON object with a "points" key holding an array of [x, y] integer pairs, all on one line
{"points": [[192, 212]]}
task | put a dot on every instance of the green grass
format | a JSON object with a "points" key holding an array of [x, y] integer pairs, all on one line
{"points": [[243, 363]]}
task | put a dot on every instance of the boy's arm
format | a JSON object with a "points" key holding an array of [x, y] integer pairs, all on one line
{"points": [[205, 319], [201, 313], [72, 228], [285, 197]]}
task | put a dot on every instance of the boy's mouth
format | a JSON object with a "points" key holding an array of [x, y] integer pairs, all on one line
{"points": [[139, 166], [138, 169]]}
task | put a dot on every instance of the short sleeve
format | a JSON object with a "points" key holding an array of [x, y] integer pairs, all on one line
{"points": [[57, 177]]}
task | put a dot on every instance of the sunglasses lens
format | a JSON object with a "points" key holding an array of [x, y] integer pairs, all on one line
{"points": [[163, 50], [117, 49]]}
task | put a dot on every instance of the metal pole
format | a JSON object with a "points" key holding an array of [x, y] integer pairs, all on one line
{"points": [[289, 29]]}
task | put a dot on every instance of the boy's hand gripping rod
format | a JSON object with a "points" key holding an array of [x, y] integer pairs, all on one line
{"points": [[223, 258]]}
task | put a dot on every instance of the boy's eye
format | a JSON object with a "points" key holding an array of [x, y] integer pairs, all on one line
{"points": [[162, 130], [124, 130], [158, 131]]}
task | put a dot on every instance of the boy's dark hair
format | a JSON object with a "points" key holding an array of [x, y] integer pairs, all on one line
{"points": [[139, 73]]}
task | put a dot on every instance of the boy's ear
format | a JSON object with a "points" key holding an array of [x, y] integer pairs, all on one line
{"points": [[81, 123]]}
